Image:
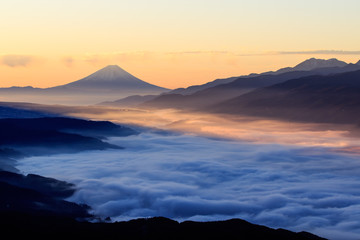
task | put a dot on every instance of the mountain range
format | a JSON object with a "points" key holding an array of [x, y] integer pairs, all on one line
{"points": [[307, 65]]}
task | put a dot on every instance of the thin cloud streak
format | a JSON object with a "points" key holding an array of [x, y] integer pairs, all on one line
{"points": [[17, 60], [326, 52], [310, 52]]}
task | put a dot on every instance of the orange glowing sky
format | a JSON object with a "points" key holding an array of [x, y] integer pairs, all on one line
{"points": [[169, 43]]}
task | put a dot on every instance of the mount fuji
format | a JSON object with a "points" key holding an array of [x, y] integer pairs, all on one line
{"points": [[111, 78], [107, 84]]}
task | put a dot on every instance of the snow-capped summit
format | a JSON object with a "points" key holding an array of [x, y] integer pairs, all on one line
{"points": [[111, 73], [112, 70]]}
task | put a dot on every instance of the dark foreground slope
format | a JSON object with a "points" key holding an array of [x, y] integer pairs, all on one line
{"points": [[45, 227], [36, 196], [330, 99]]}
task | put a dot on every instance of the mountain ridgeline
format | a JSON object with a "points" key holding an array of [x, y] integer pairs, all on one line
{"points": [[307, 65]]}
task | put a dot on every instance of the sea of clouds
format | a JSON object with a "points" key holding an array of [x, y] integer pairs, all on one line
{"points": [[187, 177]]}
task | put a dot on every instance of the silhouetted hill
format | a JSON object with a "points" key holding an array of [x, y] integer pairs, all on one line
{"points": [[48, 186], [39, 142], [42, 136], [98, 129], [195, 88], [332, 99], [130, 101], [157, 228], [10, 112]]}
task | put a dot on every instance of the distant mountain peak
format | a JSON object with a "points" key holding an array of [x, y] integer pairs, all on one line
{"points": [[113, 77], [314, 63], [358, 63]]}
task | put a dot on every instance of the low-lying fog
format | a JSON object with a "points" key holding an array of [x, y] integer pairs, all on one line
{"points": [[293, 176]]}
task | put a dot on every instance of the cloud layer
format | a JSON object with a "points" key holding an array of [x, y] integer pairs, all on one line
{"points": [[187, 177]]}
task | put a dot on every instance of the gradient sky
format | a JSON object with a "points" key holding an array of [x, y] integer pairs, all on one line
{"points": [[170, 43]]}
